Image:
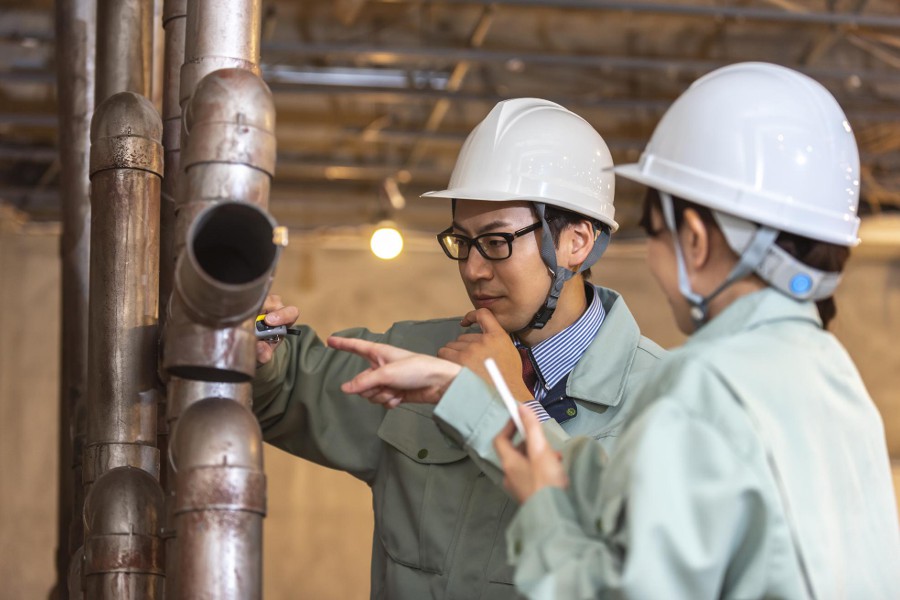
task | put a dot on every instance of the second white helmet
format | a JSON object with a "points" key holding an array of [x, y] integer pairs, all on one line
{"points": [[763, 143]]}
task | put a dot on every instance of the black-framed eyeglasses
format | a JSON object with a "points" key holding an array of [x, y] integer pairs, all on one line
{"points": [[492, 246]]}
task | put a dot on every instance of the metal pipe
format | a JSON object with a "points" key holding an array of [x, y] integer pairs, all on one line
{"points": [[220, 34], [227, 247], [124, 49], [76, 39], [173, 20], [122, 550], [228, 163], [221, 501], [121, 461], [221, 281]]}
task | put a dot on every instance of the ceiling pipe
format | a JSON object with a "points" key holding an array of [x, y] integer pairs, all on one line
{"points": [[398, 55], [874, 21]]}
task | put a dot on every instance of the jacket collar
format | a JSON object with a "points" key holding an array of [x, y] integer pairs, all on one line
{"points": [[601, 374], [753, 310]]}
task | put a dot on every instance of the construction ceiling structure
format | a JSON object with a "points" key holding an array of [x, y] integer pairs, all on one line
{"points": [[375, 97]]}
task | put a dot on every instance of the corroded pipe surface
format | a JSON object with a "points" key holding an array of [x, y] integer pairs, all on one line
{"points": [[220, 501], [126, 167], [76, 26], [123, 550], [125, 47]]}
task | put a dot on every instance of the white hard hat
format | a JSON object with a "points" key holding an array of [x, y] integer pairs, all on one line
{"points": [[763, 143], [536, 150]]}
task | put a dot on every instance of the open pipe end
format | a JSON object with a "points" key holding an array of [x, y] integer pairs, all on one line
{"points": [[228, 263]]}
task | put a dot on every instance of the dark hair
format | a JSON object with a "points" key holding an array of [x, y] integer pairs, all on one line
{"points": [[813, 253], [558, 219]]}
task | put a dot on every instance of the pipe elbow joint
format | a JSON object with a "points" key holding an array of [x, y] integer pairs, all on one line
{"points": [[217, 432], [231, 118]]}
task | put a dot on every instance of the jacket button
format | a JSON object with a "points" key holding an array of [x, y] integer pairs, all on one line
{"points": [[423, 453], [571, 411]]}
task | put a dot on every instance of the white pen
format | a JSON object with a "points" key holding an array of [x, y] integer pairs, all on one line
{"points": [[511, 405]]}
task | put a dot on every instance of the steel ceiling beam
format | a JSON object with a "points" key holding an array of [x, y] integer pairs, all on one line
{"points": [[874, 21], [396, 55]]}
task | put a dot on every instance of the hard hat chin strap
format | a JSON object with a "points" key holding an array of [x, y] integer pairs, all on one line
{"points": [[763, 240], [560, 275], [778, 268]]}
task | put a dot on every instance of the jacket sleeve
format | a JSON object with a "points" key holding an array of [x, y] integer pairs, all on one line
{"points": [[301, 409], [663, 519], [471, 414]]}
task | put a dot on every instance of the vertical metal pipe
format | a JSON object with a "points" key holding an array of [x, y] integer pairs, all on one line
{"points": [[174, 21], [75, 47], [221, 278], [126, 169], [124, 47], [221, 501], [224, 180]]}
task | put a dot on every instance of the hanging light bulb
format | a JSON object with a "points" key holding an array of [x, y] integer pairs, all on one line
{"points": [[386, 242]]}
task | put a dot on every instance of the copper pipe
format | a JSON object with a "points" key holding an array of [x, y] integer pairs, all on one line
{"points": [[124, 48], [121, 461], [75, 35]]}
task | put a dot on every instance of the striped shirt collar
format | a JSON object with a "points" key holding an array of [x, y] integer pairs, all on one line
{"points": [[556, 356]]}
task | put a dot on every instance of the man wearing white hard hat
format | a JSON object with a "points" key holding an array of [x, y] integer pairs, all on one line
{"points": [[753, 463], [532, 196]]}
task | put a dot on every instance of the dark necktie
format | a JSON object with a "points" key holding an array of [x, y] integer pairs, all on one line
{"points": [[528, 374]]}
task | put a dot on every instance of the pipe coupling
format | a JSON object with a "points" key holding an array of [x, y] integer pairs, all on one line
{"points": [[221, 487]]}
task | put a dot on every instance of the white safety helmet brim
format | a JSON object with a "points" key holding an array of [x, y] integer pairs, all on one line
{"points": [[724, 197], [494, 196]]}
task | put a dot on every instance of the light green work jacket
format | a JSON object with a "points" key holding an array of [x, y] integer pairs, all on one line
{"points": [[439, 521], [754, 465]]}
